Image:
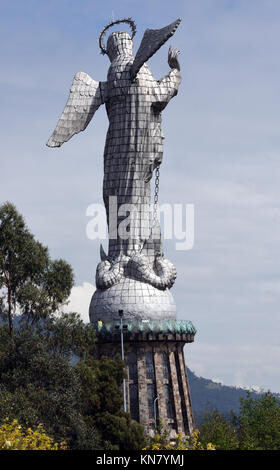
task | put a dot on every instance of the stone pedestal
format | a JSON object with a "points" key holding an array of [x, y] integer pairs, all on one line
{"points": [[157, 380]]}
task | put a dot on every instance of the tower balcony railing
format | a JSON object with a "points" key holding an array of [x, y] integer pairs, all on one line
{"points": [[143, 330]]}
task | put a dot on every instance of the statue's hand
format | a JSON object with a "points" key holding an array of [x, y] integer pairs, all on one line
{"points": [[173, 58]]}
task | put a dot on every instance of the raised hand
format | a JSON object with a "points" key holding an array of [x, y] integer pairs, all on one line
{"points": [[173, 58]]}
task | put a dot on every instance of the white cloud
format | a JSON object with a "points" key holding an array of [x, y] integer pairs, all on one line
{"points": [[79, 300], [268, 287], [238, 365], [217, 381]]}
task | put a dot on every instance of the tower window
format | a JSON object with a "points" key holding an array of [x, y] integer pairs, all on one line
{"points": [[150, 369], [151, 395], [169, 401], [165, 368], [132, 366], [134, 401]]}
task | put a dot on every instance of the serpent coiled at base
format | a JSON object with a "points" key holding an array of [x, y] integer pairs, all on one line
{"points": [[110, 272]]}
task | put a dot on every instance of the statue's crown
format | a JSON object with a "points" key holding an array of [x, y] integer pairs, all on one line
{"points": [[102, 34]]}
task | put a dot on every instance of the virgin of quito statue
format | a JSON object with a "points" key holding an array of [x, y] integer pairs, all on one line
{"points": [[134, 277]]}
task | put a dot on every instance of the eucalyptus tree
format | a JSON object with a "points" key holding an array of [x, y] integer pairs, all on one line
{"points": [[30, 282]]}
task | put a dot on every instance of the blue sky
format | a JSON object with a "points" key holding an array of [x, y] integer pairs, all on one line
{"points": [[221, 153]]}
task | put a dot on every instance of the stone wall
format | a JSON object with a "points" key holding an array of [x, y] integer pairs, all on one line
{"points": [[157, 381]]}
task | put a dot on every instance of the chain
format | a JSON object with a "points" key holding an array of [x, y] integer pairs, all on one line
{"points": [[155, 208], [155, 220]]}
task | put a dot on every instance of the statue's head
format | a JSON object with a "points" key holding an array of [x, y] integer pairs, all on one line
{"points": [[119, 44]]}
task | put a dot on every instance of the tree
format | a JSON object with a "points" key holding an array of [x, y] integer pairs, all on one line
{"points": [[67, 336], [39, 385], [259, 423], [256, 427], [31, 281], [216, 428], [102, 404]]}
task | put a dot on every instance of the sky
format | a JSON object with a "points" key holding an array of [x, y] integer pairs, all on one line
{"points": [[221, 154]]}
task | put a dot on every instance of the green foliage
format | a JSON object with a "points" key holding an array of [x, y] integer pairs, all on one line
{"points": [[259, 423], [38, 386], [256, 427], [101, 381], [102, 402], [67, 335], [218, 430], [32, 282], [82, 404], [120, 432]]}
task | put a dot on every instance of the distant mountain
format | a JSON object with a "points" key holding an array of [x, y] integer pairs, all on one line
{"points": [[209, 395]]}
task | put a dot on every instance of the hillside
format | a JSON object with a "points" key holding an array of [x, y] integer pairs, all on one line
{"points": [[206, 394]]}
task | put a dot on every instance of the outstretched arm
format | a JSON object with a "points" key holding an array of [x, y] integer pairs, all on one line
{"points": [[168, 85]]}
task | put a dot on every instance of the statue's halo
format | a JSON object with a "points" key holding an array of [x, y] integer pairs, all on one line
{"points": [[125, 20]]}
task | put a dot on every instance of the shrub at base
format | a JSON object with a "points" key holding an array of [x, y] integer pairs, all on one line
{"points": [[14, 437]]}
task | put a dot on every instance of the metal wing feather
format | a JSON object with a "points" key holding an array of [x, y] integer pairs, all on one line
{"points": [[152, 40], [86, 95]]}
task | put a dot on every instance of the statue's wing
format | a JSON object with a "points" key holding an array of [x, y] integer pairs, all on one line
{"points": [[152, 40], [86, 95]]}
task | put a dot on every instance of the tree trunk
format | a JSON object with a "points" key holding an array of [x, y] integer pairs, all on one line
{"points": [[10, 310]]}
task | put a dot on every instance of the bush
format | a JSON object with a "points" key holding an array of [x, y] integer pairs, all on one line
{"points": [[14, 437], [162, 441]]}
